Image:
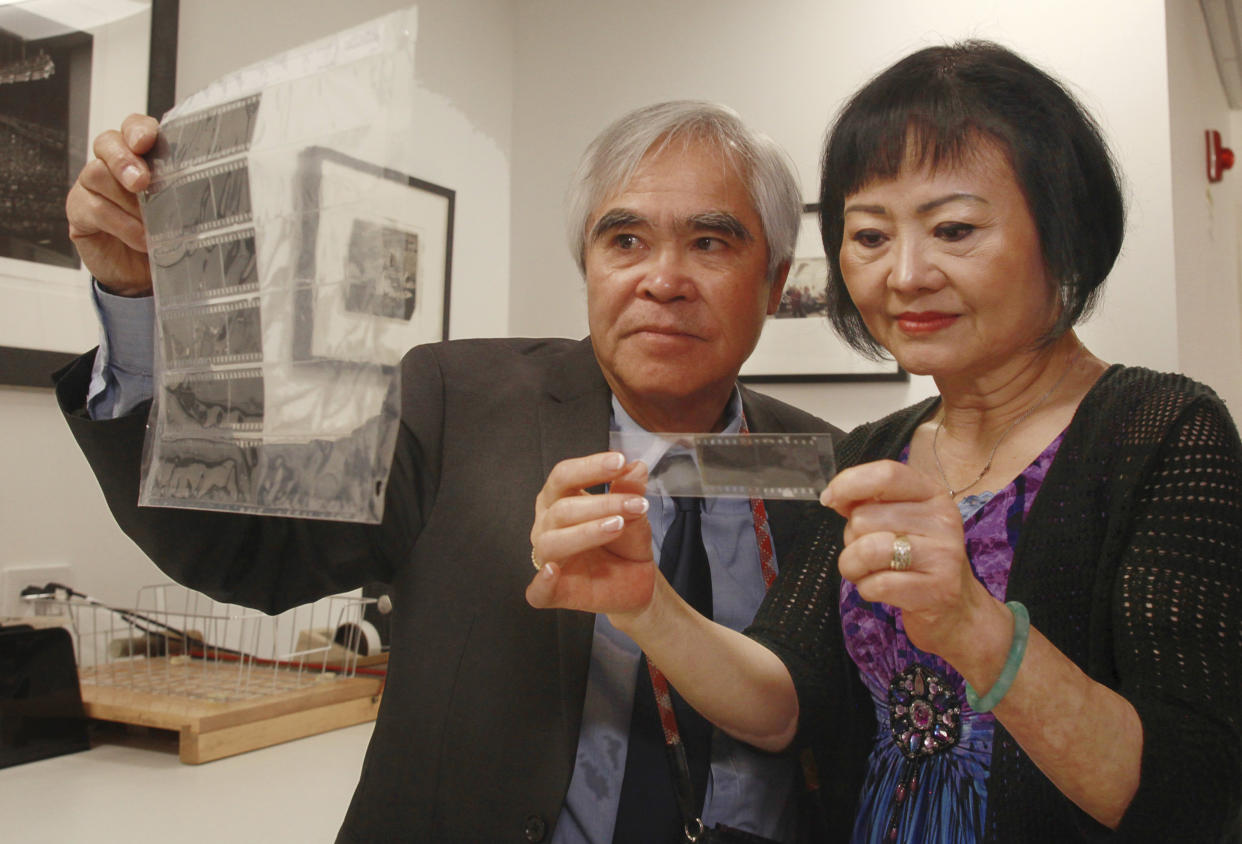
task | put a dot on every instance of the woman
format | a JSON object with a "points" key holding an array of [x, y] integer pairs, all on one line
{"points": [[1019, 618]]}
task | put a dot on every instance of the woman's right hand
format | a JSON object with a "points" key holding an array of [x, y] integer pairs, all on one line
{"points": [[105, 223], [946, 610], [594, 551]]}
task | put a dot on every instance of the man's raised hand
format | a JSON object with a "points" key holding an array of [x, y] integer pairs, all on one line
{"points": [[105, 223]]}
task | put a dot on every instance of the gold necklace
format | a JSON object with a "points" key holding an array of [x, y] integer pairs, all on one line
{"points": [[953, 493]]}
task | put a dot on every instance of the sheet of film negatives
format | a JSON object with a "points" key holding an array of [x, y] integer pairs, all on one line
{"points": [[219, 333], [207, 135], [790, 466]]}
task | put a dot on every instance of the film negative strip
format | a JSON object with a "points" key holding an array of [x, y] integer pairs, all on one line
{"points": [[219, 333], [318, 477], [199, 201], [237, 474], [193, 269], [761, 466], [193, 471], [794, 466], [227, 401], [213, 133]]}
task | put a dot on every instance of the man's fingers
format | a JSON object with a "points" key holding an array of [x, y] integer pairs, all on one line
{"points": [[140, 132], [91, 214], [125, 165], [98, 179]]}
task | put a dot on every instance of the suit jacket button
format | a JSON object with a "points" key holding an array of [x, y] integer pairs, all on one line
{"points": [[535, 829]]}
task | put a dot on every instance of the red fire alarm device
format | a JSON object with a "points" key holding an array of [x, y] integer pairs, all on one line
{"points": [[1219, 158]]}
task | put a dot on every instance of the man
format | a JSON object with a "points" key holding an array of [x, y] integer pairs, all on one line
{"points": [[500, 722]]}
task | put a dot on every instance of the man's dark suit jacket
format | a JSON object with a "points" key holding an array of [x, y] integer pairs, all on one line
{"points": [[477, 732]]}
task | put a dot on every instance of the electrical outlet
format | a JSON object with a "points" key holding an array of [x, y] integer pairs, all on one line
{"points": [[14, 580]]}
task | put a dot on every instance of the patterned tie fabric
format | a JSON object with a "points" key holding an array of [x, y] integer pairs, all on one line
{"points": [[648, 812]]}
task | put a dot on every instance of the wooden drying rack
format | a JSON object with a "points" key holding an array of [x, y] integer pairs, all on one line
{"points": [[213, 729]]}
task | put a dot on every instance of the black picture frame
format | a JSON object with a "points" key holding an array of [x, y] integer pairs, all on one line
{"points": [[21, 367], [798, 344], [310, 301]]}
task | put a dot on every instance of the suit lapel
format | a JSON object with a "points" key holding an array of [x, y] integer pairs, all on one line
{"points": [[574, 413], [575, 408]]}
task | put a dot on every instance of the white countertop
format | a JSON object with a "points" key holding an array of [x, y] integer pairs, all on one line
{"points": [[131, 787]]}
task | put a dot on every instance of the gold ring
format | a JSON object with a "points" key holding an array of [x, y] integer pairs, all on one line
{"points": [[901, 553], [535, 560]]}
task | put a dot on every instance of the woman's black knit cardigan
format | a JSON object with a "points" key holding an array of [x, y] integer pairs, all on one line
{"points": [[1130, 562]]}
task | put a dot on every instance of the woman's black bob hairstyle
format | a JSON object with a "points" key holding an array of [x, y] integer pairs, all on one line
{"points": [[937, 105]]}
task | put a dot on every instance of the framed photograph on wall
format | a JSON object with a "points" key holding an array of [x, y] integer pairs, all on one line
{"points": [[798, 343], [67, 73], [375, 258]]}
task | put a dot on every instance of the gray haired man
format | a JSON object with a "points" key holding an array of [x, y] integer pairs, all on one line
{"points": [[500, 722]]}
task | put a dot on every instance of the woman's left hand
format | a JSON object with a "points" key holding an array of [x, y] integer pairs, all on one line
{"points": [[940, 597]]}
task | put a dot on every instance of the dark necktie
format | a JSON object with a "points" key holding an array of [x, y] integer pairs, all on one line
{"points": [[648, 813]]}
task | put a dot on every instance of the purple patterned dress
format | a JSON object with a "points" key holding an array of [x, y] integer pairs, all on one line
{"points": [[927, 774]]}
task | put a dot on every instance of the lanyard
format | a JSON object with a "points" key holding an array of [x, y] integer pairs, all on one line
{"points": [[668, 719]]}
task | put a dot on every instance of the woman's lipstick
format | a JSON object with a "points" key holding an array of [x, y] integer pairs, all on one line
{"points": [[924, 322]]}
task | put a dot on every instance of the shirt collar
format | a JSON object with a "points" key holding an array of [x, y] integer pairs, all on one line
{"points": [[622, 421]]}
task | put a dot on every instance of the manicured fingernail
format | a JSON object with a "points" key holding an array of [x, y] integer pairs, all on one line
{"points": [[614, 461], [637, 506], [546, 571], [130, 176], [612, 524]]}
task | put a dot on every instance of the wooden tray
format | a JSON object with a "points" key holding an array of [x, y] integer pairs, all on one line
{"points": [[221, 710]]}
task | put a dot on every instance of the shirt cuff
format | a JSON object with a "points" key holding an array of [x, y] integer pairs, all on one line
{"points": [[121, 377]]}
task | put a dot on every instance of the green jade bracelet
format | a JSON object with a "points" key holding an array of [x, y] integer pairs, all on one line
{"points": [[1017, 650]]}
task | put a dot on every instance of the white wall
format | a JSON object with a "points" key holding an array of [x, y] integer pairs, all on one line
{"points": [[1205, 216], [787, 66], [51, 510], [514, 89]]}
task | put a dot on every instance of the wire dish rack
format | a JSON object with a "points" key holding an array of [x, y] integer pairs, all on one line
{"points": [[226, 678]]}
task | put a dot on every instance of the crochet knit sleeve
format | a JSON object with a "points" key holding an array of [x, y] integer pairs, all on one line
{"points": [[1177, 630], [800, 620]]}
